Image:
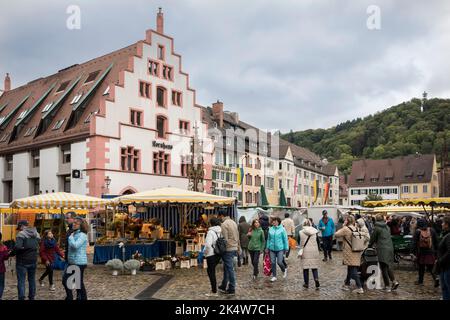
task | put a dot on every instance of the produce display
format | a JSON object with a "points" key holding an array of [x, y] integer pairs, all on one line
{"points": [[133, 229]]}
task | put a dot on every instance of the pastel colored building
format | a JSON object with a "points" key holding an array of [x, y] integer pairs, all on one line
{"points": [[406, 177]]}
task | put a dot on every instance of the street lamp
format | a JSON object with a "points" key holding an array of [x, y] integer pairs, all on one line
{"points": [[107, 182]]}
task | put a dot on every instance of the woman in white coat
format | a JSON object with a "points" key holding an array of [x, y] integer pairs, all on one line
{"points": [[309, 253]]}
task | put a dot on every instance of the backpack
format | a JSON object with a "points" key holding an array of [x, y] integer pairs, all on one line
{"points": [[357, 241], [425, 239], [221, 245]]}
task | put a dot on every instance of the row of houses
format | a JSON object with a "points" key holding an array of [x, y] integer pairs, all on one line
{"points": [[124, 122]]}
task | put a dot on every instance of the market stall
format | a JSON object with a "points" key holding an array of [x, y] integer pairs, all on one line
{"points": [[46, 211], [429, 206], [156, 223]]}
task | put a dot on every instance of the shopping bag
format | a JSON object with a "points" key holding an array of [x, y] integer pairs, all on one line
{"points": [[292, 243], [267, 265]]}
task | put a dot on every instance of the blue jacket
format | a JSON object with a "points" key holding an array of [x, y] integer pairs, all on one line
{"points": [[77, 248], [330, 229], [277, 239]]}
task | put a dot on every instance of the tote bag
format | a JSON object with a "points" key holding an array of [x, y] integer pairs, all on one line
{"points": [[267, 265]]}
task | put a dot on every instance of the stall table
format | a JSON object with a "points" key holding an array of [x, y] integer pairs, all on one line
{"points": [[159, 248]]}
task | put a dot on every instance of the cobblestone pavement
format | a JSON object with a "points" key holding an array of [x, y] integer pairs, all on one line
{"points": [[192, 284], [99, 282]]}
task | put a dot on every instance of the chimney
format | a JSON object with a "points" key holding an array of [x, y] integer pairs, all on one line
{"points": [[7, 83], [160, 21], [217, 109], [235, 116]]}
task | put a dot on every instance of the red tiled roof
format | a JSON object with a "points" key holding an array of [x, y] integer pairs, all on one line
{"points": [[38, 87], [407, 169]]}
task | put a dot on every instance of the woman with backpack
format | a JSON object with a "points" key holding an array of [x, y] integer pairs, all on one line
{"points": [[381, 238], [48, 250], [425, 244], [212, 259], [277, 245], [352, 259], [309, 253]]}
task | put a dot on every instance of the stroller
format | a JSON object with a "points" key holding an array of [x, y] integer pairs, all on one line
{"points": [[368, 258]]}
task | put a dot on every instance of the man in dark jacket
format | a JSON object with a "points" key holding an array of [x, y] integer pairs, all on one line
{"points": [[443, 262], [425, 243], [26, 251], [265, 224], [381, 238], [69, 217], [243, 228]]}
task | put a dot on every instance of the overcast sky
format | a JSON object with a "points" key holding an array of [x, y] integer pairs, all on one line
{"points": [[281, 64]]}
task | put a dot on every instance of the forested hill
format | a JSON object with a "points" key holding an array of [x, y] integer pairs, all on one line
{"points": [[399, 130]]}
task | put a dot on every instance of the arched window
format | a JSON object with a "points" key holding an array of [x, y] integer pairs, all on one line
{"points": [[161, 97], [161, 126]]}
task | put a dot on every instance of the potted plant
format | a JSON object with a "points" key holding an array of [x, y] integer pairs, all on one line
{"points": [[116, 265], [147, 265], [132, 265], [175, 262]]}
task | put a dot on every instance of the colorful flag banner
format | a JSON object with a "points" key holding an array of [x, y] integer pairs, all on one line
{"points": [[316, 190], [240, 175], [326, 192]]}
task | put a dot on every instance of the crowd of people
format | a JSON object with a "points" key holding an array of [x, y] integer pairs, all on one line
{"points": [[29, 248], [272, 239]]}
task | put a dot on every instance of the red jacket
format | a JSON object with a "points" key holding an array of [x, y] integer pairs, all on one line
{"points": [[4, 255], [48, 254]]}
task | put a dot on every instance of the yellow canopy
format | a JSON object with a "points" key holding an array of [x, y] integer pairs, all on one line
{"points": [[407, 209], [58, 200], [36, 211], [409, 202], [172, 195]]}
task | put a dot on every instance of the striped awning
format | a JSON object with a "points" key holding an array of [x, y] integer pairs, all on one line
{"points": [[173, 195], [60, 200], [444, 202]]}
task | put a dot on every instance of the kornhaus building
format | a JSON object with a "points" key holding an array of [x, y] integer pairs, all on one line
{"points": [[117, 124], [406, 177]]}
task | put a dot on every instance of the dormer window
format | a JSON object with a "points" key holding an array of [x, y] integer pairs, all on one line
{"points": [[22, 114], [63, 86], [58, 124], [92, 76], [30, 131], [76, 98], [47, 107]]}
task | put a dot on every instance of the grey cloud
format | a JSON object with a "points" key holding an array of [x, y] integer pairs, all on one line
{"points": [[280, 64]]}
